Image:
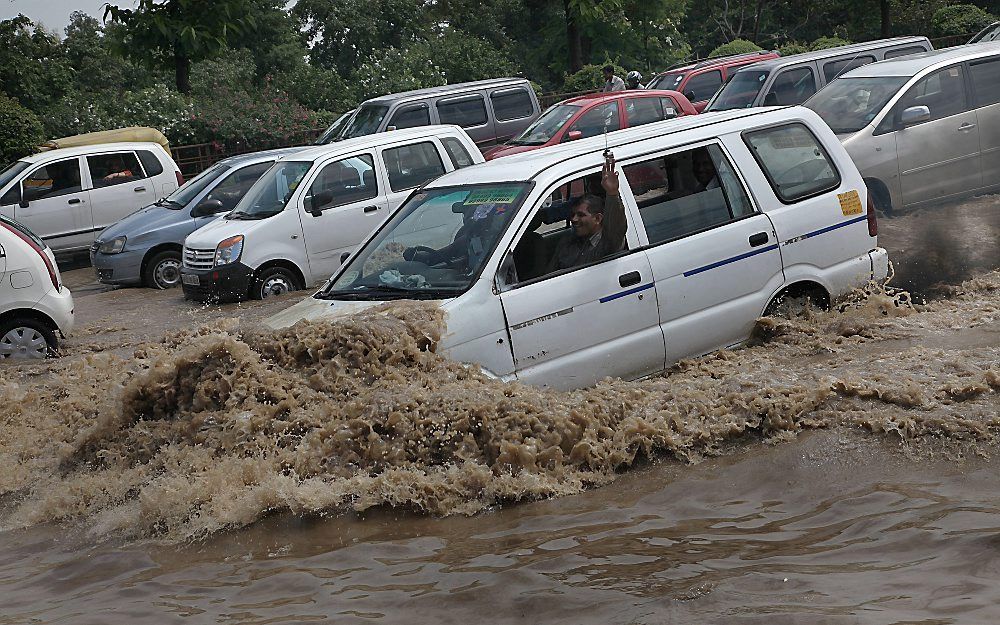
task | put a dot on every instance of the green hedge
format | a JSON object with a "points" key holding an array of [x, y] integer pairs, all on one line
{"points": [[828, 42], [20, 130], [589, 78], [960, 19], [736, 46]]}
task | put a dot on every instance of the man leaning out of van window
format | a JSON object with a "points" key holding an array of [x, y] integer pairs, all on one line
{"points": [[598, 225]]}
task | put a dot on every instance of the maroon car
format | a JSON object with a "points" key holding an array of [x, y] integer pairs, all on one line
{"points": [[699, 81], [594, 114]]}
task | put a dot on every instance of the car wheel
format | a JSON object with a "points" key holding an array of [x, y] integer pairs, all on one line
{"points": [[274, 281], [163, 271], [22, 338]]}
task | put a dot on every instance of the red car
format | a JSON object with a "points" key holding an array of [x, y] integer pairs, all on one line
{"points": [[593, 114], [699, 81]]}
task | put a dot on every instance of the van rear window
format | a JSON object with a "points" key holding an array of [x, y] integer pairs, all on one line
{"points": [[150, 163], [511, 104], [793, 160]]}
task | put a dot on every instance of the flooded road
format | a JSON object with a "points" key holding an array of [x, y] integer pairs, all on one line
{"points": [[840, 470]]}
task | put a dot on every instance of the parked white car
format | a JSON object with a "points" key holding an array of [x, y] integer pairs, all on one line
{"points": [[34, 304], [66, 196], [303, 217], [724, 215]]}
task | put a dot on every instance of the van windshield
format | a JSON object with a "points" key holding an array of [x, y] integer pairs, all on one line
{"points": [[366, 121], [11, 171], [850, 104], [669, 81], [434, 246], [546, 126], [740, 92], [190, 189], [269, 195]]}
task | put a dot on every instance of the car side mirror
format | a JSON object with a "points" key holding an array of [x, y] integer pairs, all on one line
{"points": [[318, 201], [22, 199], [914, 115], [690, 95], [207, 207], [574, 135], [389, 128], [344, 257]]}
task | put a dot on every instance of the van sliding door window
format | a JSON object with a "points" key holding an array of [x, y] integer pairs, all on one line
{"points": [[107, 170], [833, 69], [411, 117], [412, 165], [511, 104], [986, 81], [686, 192], [793, 160], [466, 111]]}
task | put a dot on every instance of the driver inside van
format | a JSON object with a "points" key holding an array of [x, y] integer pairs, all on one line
{"points": [[598, 225]]}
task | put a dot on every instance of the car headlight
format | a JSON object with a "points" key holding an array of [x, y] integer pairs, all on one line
{"points": [[113, 246], [229, 250]]}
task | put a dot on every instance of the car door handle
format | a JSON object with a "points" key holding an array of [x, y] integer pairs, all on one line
{"points": [[630, 278], [371, 209], [75, 200], [139, 189], [966, 126], [758, 239]]}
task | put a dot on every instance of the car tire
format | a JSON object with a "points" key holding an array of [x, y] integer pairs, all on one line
{"points": [[163, 271], [274, 281], [24, 338]]}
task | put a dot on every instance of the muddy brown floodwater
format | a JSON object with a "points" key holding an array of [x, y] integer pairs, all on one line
{"points": [[182, 465]]}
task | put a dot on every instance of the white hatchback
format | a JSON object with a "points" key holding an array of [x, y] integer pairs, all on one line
{"points": [[34, 303], [67, 196]]}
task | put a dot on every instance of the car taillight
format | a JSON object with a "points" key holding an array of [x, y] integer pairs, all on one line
{"points": [[872, 220], [53, 275], [180, 178]]}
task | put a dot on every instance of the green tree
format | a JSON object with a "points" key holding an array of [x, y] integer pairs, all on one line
{"points": [[33, 68], [960, 19], [20, 130], [180, 32], [736, 46]]}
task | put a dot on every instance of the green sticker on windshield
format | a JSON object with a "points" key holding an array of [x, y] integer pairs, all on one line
{"points": [[496, 195]]}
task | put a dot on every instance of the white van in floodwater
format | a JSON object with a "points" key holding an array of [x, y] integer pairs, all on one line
{"points": [[724, 215], [311, 208]]}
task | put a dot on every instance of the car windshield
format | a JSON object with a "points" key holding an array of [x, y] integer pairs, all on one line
{"points": [[670, 81], [333, 132], [12, 171], [546, 126], [740, 92], [190, 189], [434, 246], [269, 195], [850, 104], [366, 121]]}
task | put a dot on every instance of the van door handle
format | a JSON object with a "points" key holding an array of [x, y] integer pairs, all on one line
{"points": [[139, 189], [966, 126], [371, 209], [75, 200], [758, 239], [630, 278]]}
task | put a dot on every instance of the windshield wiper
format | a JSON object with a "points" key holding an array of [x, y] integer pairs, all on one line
{"points": [[384, 289]]}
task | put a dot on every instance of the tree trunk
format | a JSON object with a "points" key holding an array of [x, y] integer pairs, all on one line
{"points": [[182, 71], [886, 18], [573, 39]]}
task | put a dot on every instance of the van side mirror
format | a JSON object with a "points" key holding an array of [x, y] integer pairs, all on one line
{"points": [[574, 135], [344, 257], [690, 95], [914, 115], [22, 199], [318, 201], [208, 206], [389, 128]]}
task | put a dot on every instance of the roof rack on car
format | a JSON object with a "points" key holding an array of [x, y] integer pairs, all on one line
{"points": [[716, 60]]}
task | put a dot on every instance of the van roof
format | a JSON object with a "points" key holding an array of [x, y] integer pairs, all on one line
{"points": [[91, 149], [913, 64], [376, 140], [782, 61], [719, 60], [528, 165], [445, 90]]}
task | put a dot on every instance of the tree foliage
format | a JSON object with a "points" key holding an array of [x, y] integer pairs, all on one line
{"points": [[960, 19], [736, 46], [20, 130]]}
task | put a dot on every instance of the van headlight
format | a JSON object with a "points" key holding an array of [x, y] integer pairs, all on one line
{"points": [[114, 246], [229, 250]]}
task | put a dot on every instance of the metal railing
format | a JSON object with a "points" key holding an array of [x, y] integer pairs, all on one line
{"points": [[195, 158]]}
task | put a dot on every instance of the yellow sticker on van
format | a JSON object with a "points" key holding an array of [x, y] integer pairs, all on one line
{"points": [[850, 203]]}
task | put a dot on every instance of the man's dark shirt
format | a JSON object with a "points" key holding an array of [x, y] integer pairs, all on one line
{"points": [[573, 251]]}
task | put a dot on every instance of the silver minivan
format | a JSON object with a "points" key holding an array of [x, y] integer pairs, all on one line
{"points": [[922, 128], [790, 80], [490, 111]]}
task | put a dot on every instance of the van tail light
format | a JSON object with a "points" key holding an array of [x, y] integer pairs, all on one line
{"points": [[53, 275], [872, 220], [180, 178]]}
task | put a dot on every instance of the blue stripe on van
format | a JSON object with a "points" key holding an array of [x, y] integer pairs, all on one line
{"points": [[688, 274], [834, 227], [625, 293]]}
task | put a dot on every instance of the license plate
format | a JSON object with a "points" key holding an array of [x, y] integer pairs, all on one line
{"points": [[191, 279]]}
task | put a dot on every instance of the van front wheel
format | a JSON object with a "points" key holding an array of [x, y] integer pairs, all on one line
{"points": [[274, 281]]}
